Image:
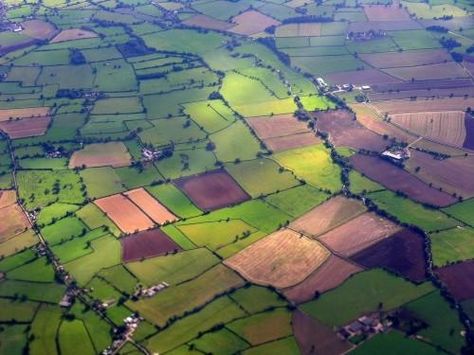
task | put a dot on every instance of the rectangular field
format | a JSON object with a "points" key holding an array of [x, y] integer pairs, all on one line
{"points": [[152, 208], [126, 215]]}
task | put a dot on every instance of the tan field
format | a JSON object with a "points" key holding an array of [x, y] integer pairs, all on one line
{"points": [[38, 29], [153, 209], [20, 113], [126, 215], [328, 215], [7, 198], [358, 234], [251, 22], [422, 105], [13, 222], [443, 127], [114, 154], [73, 34], [282, 259]]}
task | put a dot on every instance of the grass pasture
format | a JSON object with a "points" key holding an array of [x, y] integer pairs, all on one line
{"points": [[312, 164], [362, 294]]}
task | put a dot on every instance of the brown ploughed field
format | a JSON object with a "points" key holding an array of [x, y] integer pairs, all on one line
{"points": [[397, 179], [212, 190], [27, 127], [147, 244], [207, 22], [333, 272], [358, 234], [125, 214], [330, 214], [458, 279], [443, 127], [152, 208], [345, 131], [283, 132], [453, 175], [282, 259], [402, 253], [22, 113]]}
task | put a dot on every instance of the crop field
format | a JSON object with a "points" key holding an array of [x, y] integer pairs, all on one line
{"points": [[358, 234], [402, 253], [281, 259], [456, 277], [423, 105], [282, 132], [444, 127], [451, 175], [327, 216], [344, 131], [397, 179], [213, 190], [333, 272], [128, 217], [147, 244], [152, 208], [208, 177]]}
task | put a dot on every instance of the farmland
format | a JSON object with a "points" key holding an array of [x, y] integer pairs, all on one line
{"points": [[236, 177]]}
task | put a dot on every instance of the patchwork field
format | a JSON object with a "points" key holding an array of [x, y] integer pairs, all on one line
{"points": [[207, 175], [282, 259]]}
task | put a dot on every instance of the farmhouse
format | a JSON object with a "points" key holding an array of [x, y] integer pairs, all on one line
{"points": [[396, 155]]}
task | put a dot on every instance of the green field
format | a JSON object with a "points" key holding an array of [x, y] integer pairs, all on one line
{"points": [[364, 293], [411, 212], [312, 164], [444, 328], [261, 177]]}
